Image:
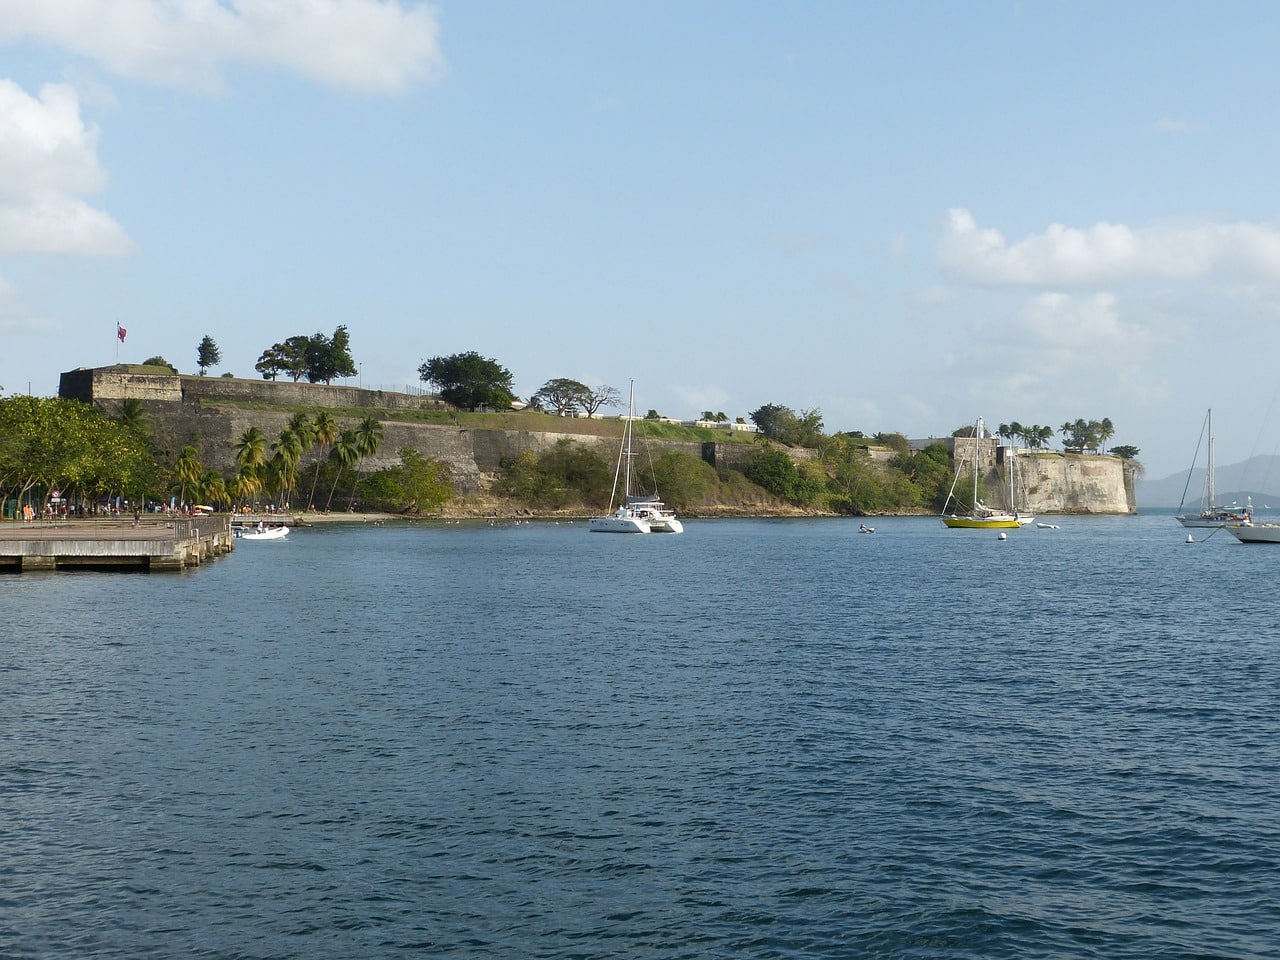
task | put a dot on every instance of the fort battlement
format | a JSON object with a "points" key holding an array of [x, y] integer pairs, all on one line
{"points": [[106, 386]]}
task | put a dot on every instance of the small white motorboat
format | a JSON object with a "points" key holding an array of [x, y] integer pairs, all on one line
{"points": [[263, 533]]}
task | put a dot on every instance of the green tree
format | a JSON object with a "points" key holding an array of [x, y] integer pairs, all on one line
{"points": [[327, 358], [569, 473], [346, 454], [1105, 431], [133, 417], [368, 441], [58, 444], [282, 466], [1126, 452], [783, 424], [894, 441], [159, 361], [773, 470], [469, 381], [211, 488], [251, 451], [288, 357], [686, 481], [416, 485], [562, 396], [187, 471], [324, 431], [207, 354]]}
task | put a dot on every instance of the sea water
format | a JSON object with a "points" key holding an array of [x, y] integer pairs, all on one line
{"points": [[758, 739]]}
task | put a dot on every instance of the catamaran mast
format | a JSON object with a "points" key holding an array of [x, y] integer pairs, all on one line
{"points": [[631, 414], [1213, 503], [977, 429]]}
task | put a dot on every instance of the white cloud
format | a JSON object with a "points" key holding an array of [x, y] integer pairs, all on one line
{"points": [[14, 318], [48, 158], [1107, 254], [1081, 325], [366, 46]]}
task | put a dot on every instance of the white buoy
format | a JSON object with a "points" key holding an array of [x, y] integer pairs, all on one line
{"points": [[1190, 538], [1003, 536]]}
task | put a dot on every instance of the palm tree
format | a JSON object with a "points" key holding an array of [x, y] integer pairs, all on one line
{"points": [[368, 440], [1106, 430], [244, 486], [251, 451], [324, 431], [187, 470], [132, 416], [212, 488], [301, 425], [346, 450], [283, 465]]}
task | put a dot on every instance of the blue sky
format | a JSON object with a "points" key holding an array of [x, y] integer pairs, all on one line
{"points": [[904, 215]]}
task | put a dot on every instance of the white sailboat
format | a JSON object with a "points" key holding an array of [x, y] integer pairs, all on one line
{"points": [[980, 516], [1210, 515], [635, 513]]}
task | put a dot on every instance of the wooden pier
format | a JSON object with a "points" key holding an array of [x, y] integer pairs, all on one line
{"points": [[154, 544]]}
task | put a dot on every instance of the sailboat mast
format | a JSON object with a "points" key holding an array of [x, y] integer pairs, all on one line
{"points": [[1209, 484], [977, 429], [631, 414]]}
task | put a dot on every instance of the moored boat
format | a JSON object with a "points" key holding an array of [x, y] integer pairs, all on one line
{"points": [[1211, 515], [980, 516], [261, 532], [1250, 532], [636, 513]]}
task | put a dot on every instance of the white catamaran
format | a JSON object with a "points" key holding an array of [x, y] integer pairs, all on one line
{"points": [[638, 513]]}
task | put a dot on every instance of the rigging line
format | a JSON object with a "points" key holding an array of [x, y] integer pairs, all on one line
{"points": [[1187, 486]]}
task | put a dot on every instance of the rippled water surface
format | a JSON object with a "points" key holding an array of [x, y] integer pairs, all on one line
{"points": [[759, 739]]}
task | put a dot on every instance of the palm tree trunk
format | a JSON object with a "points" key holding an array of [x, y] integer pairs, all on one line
{"points": [[336, 477]]}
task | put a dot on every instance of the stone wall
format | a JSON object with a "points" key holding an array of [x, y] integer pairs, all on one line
{"points": [[104, 385], [288, 393], [119, 382], [1048, 483]]}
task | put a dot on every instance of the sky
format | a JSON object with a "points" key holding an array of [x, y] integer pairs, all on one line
{"points": [[906, 216]]}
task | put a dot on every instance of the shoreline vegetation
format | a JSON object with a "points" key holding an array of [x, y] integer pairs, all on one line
{"points": [[74, 457]]}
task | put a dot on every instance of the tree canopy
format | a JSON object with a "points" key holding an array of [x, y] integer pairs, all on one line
{"points": [[207, 354], [1081, 435], [783, 424], [158, 361], [49, 444], [469, 381], [319, 358], [562, 396]]}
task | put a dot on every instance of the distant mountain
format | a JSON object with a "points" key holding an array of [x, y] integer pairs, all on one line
{"points": [[1234, 483]]}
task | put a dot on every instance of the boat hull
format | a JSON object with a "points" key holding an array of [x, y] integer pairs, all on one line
{"points": [[982, 523], [1257, 532], [270, 533], [618, 523], [1210, 521]]}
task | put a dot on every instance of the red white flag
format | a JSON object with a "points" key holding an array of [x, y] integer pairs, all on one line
{"points": [[120, 332]]}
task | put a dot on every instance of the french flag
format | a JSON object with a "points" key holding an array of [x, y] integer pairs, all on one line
{"points": [[120, 332]]}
